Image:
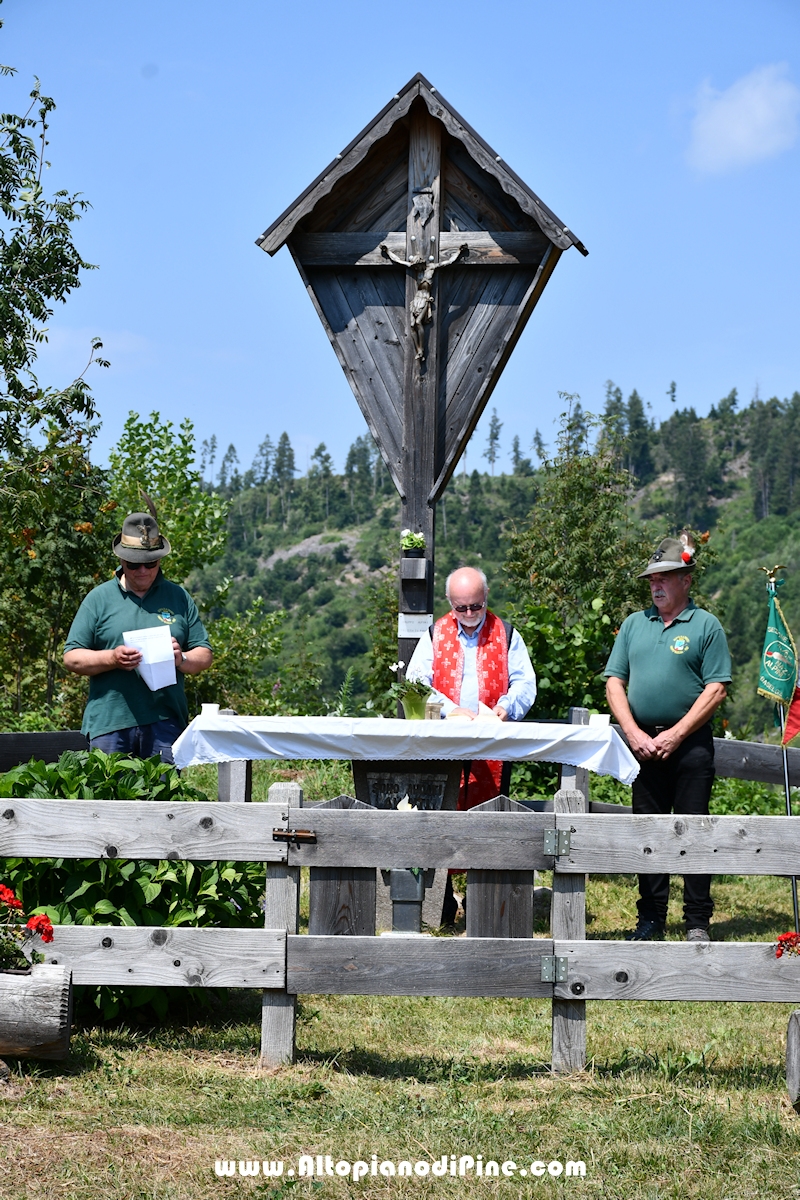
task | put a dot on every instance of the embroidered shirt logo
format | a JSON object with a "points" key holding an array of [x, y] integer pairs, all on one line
{"points": [[165, 615], [680, 644]]}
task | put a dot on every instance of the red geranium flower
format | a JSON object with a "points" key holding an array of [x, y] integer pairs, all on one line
{"points": [[42, 925], [8, 898], [788, 943]]}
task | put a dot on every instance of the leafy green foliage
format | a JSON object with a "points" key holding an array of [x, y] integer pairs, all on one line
{"points": [[152, 456], [241, 645], [579, 541], [39, 267], [95, 775], [119, 891]]}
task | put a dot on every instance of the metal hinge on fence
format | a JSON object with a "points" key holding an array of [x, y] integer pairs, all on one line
{"points": [[557, 841], [555, 968]]}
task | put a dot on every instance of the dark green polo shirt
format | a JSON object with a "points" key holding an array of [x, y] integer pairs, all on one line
{"points": [[666, 669], [121, 699]]}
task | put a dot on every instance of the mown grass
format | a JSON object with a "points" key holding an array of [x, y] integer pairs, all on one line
{"points": [[678, 1100]]}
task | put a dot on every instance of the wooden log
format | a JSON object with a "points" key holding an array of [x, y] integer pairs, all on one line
{"points": [[793, 1060], [417, 966], [36, 1012], [341, 899], [500, 902], [742, 971], [173, 956], [130, 829], [490, 841], [281, 911], [678, 845]]}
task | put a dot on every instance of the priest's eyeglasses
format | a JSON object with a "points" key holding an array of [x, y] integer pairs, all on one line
{"points": [[462, 608]]}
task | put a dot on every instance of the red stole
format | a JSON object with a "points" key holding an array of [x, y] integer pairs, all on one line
{"points": [[492, 668]]}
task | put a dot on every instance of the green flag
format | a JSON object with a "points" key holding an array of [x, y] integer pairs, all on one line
{"points": [[777, 678]]}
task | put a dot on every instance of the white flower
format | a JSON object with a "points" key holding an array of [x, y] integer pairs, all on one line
{"points": [[405, 805], [398, 666], [405, 532]]}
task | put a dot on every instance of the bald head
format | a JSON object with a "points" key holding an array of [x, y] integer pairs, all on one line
{"points": [[467, 587]]}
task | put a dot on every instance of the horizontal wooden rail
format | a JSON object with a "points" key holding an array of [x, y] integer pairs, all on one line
{"points": [[417, 966], [747, 971], [750, 845], [170, 957], [485, 841], [141, 829], [759, 762]]}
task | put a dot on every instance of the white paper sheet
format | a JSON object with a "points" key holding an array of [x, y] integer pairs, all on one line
{"points": [[157, 667]]}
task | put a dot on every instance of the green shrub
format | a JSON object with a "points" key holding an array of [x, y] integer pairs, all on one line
{"points": [[126, 892]]}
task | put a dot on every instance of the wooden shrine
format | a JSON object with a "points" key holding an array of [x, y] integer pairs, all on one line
{"points": [[424, 255]]}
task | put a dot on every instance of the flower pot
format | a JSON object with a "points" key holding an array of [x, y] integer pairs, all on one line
{"points": [[36, 1011], [414, 706], [414, 553]]}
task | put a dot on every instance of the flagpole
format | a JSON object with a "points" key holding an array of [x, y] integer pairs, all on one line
{"points": [[789, 814], [772, 588]]}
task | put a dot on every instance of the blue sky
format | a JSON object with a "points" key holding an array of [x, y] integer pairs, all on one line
{"points": [[665, 134]]}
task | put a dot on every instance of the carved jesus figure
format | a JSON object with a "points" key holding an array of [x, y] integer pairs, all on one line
{"points": [[421, 308]]}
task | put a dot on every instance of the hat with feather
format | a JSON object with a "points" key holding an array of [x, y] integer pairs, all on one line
{"points": [[672, 554], [140, 540]]}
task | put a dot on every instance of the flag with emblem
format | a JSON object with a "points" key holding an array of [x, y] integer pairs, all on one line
{"points": [[777, 679]]}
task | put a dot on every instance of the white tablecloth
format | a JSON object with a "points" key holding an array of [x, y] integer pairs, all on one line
{"points": [[211, 739]]}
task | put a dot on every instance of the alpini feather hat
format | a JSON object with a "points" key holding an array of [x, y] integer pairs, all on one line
{"points": [[671, 554], [140, 540]]}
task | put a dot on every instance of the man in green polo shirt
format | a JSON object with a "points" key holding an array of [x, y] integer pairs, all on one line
{"points": [[665, 678], [122, 713]]}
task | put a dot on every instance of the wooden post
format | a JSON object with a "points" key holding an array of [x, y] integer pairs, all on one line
{"points": [[235, 781], [281, 911], [234, 778], [420, 376], [793, 1059], [568, 920]]}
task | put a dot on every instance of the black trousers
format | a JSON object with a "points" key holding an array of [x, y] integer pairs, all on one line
{"points": [[680, 784]]}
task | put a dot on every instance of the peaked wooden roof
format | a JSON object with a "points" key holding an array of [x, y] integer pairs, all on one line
{"points": [[281, 230]]}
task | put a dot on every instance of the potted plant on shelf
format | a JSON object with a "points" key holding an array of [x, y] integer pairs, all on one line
{"points": [[35, 997], [412, 544], [411, 693]]}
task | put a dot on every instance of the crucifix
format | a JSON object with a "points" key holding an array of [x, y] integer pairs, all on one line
{"points": [[424, 256]]}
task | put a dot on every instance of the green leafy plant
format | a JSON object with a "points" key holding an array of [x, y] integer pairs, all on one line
{"points": [[120, 891], [152, 455], [412, 541]]}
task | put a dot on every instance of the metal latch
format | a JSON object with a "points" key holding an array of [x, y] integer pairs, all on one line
{"points": [[555, 968], [295, 837], [557, 841]]}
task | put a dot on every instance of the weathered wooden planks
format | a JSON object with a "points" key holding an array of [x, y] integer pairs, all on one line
{"points": [[752, 845], [510, 248], [136, 829], [170, 957], [491, 841], [747, 971], [341, 899], [416, 966]]}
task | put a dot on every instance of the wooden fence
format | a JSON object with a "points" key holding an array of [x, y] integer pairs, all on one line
{"points": [[499, 848]]}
